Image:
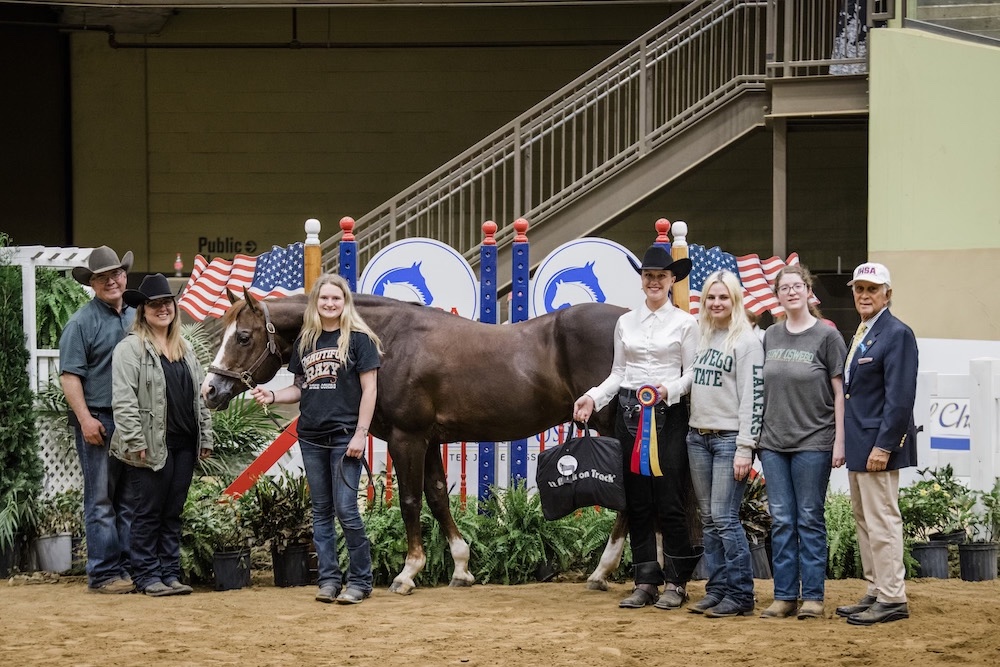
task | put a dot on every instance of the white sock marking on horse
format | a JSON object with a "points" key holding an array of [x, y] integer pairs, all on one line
{"points": [[413, 566], [609, 560], [460, 553]]}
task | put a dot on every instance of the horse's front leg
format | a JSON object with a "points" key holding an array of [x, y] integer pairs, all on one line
{"points": [[436, 490], [612, 556], [408, 460]]}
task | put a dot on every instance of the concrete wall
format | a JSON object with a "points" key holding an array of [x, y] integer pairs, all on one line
{"points": [[174, 145], [934, 186]]}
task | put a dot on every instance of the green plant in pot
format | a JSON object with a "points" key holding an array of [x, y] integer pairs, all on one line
{"points": [[212, 523], [843, 555], [978, 555], [59, 518], [278, 512]]}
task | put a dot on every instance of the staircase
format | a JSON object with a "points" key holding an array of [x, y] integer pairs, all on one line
{"points": [[977, 17], [654, 110]]}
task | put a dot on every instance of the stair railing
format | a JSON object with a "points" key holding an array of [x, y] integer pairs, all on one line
{"points": [[630, 104]]}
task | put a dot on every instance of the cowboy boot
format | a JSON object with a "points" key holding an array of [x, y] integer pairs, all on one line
{"points": [[647, 577]]}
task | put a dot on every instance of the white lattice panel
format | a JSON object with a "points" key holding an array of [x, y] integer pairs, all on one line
{"points": [[58, 452]]}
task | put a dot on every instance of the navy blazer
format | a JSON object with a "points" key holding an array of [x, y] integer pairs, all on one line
{"points": [[879, 397]]}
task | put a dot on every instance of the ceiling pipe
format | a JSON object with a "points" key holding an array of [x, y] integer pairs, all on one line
{"points": [[294, 43]]}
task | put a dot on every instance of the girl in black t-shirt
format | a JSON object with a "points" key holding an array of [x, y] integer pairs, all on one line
{"points": [[335, 362]]}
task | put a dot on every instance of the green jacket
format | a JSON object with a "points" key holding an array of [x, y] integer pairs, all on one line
{"points": [[139, 400]]}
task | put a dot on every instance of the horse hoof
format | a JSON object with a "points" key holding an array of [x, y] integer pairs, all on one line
{"points": [[597, 585], [400, 589], [460, 583]]}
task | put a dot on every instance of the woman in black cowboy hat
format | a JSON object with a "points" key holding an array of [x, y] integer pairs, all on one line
{"points": [[162, 426], [654, 355]]}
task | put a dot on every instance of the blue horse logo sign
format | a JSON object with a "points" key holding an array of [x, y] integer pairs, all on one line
{"points": [[423, 271], [405, 283], [587, 270], [559, 291]]}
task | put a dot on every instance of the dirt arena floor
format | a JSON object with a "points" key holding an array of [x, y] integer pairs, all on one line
{"points": [[551, 624]]}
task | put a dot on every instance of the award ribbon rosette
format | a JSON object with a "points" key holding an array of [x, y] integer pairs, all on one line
{"points": [[645, 455]]}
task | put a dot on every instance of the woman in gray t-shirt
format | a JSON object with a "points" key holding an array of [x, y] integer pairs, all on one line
{"points": [[801, 438]]}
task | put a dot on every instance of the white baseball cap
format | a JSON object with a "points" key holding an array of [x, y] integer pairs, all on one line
{"points": [[871, 272]]}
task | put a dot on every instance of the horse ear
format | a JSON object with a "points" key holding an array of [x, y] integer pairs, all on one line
{"points": [[232, 297], [250, 300]]}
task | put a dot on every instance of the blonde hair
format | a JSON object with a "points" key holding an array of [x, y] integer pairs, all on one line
{"points": [[802, 272], [176, 345], [739, 324], [350, 320]]}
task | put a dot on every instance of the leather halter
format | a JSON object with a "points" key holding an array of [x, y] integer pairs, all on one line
{"points": [[246, 377]]}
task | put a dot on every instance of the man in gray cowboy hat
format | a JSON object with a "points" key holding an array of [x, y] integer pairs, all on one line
{"points": [[85, 350]]}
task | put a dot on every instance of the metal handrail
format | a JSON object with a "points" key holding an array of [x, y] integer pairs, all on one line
{"points": [[632, 103]]}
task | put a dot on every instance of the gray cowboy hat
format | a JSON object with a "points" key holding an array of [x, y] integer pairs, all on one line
{"points": [[658, 259], [153, 287], [101, 259]]}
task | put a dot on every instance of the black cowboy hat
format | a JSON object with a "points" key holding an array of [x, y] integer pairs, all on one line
{"points": [[658, 259], [101, 259], [153, 287]]}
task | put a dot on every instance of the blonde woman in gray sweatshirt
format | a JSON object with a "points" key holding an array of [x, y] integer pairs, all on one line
{"points": [[727, 399]]}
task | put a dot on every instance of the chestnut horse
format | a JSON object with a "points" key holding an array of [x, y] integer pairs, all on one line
{"points": [[443, 379]]}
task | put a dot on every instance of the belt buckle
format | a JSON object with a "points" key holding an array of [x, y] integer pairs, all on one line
{"points": [[706, 431]]}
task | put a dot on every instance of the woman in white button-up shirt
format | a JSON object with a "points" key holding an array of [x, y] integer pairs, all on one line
{"points": [[654, 345]]}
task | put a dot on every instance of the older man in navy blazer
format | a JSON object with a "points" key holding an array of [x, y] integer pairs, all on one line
{"points": [[880, 382]]}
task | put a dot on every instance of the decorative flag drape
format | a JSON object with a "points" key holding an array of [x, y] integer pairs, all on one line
{"points": [[279, 272], [756, 275]]}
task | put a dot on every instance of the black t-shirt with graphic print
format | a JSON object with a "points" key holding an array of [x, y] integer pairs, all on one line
{"points": [[331, 395]]}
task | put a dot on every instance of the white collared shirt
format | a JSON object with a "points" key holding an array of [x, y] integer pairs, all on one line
{"points": [[850, 357], [651, 347]]}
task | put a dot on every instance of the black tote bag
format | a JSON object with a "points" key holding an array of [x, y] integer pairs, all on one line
{"points": [[582, 472]]}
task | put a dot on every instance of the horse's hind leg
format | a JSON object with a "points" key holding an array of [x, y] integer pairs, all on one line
{"points": [[598, 580], [436, 490], [406, 453]]}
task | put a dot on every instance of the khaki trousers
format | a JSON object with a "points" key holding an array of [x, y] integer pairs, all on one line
{"points": [[875, 501]]}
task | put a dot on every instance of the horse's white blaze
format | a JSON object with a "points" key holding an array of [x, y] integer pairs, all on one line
{"points": [[460, 554], [217, 362], [609, 560]]}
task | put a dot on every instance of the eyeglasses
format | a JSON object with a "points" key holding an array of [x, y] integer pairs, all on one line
{"points": [[797, 287], [159, 303], [105, 278]]}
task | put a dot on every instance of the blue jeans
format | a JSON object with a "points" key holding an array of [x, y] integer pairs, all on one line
{"points": [[796, 492], [727, 553], [331, 478], [158, 498], [107, 513]]}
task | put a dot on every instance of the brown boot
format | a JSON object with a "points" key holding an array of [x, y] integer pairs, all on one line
{"points": [[638, 599], [811, 609], [780, 609]]}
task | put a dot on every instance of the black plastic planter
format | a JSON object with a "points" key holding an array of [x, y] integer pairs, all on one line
{"points": [[978, 561], [291, 566], [232, 569], [932, 559], [760, 561]]}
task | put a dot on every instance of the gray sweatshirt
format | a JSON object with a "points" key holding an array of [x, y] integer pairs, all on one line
{"points": [[728, 389]]}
